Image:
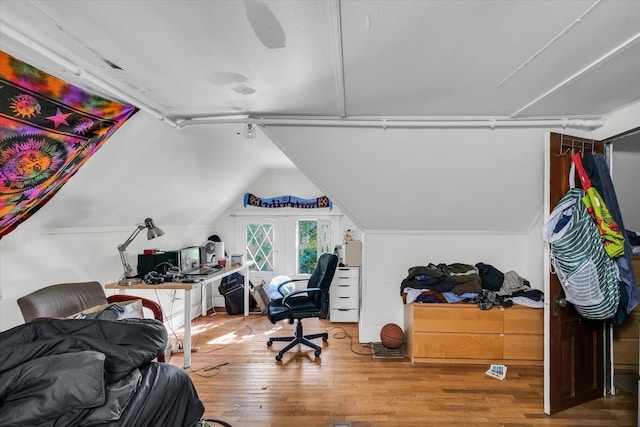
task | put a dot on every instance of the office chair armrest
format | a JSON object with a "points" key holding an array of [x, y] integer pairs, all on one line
{"points": [[289, 281], [301, 291]]}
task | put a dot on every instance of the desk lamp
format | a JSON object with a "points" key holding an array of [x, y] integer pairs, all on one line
{"points": [[152, 233]]}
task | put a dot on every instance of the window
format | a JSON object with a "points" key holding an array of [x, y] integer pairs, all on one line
{"points": [[259, 239], [286, 245], [307, 252], [313, 239]]}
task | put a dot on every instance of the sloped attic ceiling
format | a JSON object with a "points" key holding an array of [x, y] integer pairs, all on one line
{"points": [[349, 58], [333, 79]]}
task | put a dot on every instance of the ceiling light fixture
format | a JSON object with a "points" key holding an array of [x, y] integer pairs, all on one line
{"points": [[249, 131]]}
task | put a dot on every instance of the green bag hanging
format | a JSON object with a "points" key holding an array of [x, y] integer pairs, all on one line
{"points": [[613, 239]]}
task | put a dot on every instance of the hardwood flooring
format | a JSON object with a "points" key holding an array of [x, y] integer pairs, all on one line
{"points": [[238, 379]]}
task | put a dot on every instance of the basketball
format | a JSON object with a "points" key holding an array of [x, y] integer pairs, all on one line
{"points": [[391, 336]]}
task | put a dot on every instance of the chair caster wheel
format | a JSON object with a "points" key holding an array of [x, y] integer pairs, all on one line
{"points": [[325, 338], [269, 343], [278, 357], [317, 353]]}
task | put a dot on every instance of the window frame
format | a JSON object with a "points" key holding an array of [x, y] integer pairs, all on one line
{"points": [[285, 240]]}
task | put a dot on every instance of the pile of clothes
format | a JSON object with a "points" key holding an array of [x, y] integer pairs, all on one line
{"points": [[482, 284]]}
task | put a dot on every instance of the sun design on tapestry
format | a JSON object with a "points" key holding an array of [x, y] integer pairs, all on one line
{"points": [[27, 161], [25, 106]]}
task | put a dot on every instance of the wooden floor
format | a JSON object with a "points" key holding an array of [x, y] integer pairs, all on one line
{"points": [[238, 379]]}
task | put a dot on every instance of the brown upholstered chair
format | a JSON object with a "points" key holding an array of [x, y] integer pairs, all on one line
{"points": [[65, 299]]}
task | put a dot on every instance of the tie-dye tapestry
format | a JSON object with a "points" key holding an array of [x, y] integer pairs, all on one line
{"points": [[48, 130]]}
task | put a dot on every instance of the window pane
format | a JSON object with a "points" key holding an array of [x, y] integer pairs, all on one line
{"points": [[324, 236], [307, 245], [260, 246]]}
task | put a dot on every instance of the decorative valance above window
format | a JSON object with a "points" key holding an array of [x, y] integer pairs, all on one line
{"points": [[287, 202], [48, 130]]}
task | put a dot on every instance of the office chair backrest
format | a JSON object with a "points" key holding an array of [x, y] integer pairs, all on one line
{"points": [[322, 276]]}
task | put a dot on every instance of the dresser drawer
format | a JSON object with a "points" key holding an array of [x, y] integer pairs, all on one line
{"points": [[524, 347], [344, 315], [524, 320], [344, 301], [344, 290], [344, 295], [344, 274], [458, 345], [463, 333], [466, 318]]}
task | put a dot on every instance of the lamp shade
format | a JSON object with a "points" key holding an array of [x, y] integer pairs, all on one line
{"points": [[152, 230]]}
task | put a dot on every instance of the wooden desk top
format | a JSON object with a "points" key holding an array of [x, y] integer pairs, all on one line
{"points": [[223, 272]]}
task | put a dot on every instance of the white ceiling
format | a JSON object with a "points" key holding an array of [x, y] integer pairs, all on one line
{"points": [[327, 76], [348, 58]]}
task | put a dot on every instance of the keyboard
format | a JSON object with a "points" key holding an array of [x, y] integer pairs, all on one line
{"points": [[203, 271]]}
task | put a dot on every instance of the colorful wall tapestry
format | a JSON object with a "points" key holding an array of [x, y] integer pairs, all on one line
{"points": [[48, 130], [287, 202]]}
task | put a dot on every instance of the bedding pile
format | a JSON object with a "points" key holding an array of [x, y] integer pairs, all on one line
{"points": [[84, 372]]}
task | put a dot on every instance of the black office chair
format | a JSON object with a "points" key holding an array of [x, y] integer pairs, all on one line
{"points": [[310, 302]]}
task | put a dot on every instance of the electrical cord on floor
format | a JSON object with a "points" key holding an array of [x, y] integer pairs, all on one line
{"points": [[208, 368], [344, 334], [205, 422], [172, 297]]}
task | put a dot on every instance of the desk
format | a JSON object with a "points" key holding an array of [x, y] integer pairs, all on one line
{"points": [[187, 288]]}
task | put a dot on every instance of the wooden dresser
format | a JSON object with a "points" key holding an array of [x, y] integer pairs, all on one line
{"points": [[465, 334], [625, 337]]}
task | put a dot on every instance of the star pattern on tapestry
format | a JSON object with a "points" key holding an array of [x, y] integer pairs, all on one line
{"points": [[48, 130]]}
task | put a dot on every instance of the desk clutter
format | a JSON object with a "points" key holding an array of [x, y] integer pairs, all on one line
{"points": [[184, 265]]}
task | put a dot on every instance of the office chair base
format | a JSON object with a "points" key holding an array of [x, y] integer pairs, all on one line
{"points": [[299, 338]]}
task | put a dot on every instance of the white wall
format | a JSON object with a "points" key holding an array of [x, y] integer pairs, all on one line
{"points": [[275, 183], [33, 258], [626, 178], [388, 256]]}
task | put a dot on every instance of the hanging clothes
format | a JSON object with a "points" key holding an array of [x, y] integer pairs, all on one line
{"points": [[596, 167], [587, 275], [610, 233]]}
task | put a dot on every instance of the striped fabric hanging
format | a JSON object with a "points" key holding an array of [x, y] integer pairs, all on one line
{"points": [[587, 275]]}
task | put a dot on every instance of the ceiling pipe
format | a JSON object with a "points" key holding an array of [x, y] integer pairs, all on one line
{"points": [[362, 122], [80, 72], [432, 122]]}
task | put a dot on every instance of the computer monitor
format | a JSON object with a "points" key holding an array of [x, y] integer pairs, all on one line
{"points": [[189, 258]]}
